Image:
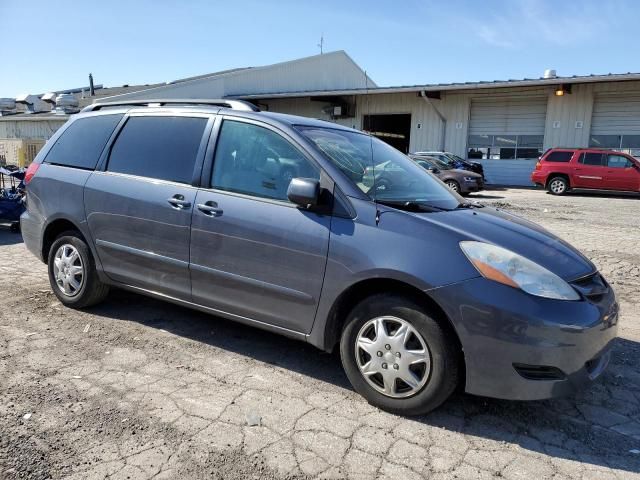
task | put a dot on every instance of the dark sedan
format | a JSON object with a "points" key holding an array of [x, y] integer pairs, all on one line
{"points": [[454, 161], [461, 181]]}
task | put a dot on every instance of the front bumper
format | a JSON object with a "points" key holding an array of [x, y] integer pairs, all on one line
{"points": [[520, 347], [470, 187]]}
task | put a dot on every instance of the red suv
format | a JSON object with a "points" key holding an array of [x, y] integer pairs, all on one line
{"points": [[561, 169]]}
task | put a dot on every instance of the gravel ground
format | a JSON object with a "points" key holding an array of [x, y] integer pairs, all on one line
{"points": [[137, 388]]}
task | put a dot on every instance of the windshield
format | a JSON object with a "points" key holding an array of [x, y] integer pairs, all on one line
{"points": [[456, 158], [380, 171], [439, 164]]}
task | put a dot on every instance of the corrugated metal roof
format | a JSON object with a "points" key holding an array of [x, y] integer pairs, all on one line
{"points": [[335, 69], [524, 82]]}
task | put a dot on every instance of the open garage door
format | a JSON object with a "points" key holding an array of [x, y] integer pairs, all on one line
{"points": [[394, 129], [615, 122], [506, 134]]}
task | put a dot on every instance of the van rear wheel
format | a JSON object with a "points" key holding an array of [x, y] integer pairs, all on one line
{"points": [[558, 186], [72, 272], [398, 356]]}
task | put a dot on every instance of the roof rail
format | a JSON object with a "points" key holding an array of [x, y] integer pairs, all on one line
{"points": [[218, 102]]}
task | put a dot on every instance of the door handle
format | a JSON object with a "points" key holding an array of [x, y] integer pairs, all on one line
{"points": [[210, 208], [178, 201]]}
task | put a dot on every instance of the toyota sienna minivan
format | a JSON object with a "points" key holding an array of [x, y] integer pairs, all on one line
{"points": [[269, 220]]}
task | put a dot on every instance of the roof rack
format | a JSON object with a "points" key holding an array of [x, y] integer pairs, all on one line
{"points": [[218, 102]]}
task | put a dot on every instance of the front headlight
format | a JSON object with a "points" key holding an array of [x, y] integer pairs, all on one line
{"points": [[504, 266], [469, 179]]}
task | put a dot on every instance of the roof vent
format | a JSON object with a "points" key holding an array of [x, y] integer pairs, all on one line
{"points": [[549, 73], [7, 106], [66, 103], [32, 103], [49, 98]]}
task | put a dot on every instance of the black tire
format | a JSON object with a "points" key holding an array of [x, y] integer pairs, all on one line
{"points": [[91, 291], [558, 185], [453, 185], [444, 354]]}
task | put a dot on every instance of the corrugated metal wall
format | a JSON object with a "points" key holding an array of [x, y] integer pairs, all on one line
{"points": [[517, 115], [36, 129], [616, 114], [564, 121], [426, 127], [569, 118]]}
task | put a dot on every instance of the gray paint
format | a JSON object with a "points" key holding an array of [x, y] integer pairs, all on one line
{"points": [[283, 268]]}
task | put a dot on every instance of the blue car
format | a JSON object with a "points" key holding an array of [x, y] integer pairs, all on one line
{"points": [[11, 196]]}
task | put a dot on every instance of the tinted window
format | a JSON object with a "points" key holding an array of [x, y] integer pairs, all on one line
{"points": [[158, 147], [591, 159], [257, 161], [81, 144], [559, 157], [618, 161]]}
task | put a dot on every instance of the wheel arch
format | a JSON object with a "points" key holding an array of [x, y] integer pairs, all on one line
{"points": [[357, 292], [53, 231], [553, 175]]}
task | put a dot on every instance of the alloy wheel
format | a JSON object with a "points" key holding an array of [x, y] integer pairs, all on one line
{"points": [[557, 186], [453, 186], [392, 357], [68, 270]]}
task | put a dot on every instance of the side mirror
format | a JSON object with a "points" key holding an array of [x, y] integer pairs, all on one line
{"points": [[434, 170], [304, 192]]}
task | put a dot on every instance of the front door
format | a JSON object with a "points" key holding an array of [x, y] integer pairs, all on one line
{"points": [[621, 174], [139, 209], [254, 254], [590, 171]]}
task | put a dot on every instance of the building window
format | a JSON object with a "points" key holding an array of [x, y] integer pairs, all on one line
{"points": [[504, 147], [624, 143]]}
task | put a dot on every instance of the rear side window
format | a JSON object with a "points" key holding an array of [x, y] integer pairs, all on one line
{"points": [[562, 157], [81, 144], [591, 158], [158, 147]]}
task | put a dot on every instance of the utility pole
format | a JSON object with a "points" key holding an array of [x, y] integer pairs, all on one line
{"points": [[321, 44]]}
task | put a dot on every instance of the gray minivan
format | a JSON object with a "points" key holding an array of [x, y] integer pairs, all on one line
{"points": [[273, 221]]}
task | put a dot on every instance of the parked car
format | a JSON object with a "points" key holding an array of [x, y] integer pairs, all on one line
{"points": [[460, 181], [11, 196], [455, 161], [186, 201], [562, 169]]}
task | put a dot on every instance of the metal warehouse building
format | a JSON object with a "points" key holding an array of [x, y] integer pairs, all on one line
{"points": [[506, 125]]}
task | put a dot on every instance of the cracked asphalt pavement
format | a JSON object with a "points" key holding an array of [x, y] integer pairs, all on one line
{"points": [[140, 389]]}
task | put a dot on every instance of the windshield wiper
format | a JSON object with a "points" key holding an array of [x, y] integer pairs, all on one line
{"points": [[410, 206]]}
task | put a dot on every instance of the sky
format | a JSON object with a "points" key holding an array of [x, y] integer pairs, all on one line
{"points": [[52, 45]]}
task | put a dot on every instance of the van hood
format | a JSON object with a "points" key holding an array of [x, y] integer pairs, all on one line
{"points": [[516, 234]]}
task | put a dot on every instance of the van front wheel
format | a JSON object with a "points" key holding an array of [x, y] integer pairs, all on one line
{"points": [[398, 356]]}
